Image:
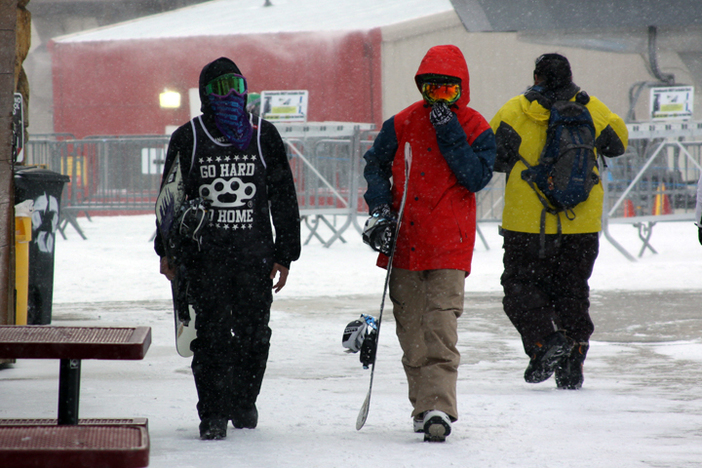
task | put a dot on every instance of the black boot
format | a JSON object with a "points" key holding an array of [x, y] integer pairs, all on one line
{"points": [[569, 372], [245, 418], [213, 429], [546, 355]]}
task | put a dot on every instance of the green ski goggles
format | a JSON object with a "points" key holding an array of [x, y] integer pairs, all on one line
{"points": [[223, 85]]}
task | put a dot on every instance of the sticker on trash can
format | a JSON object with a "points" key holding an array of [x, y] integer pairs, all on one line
{"points": [[45, 219]]}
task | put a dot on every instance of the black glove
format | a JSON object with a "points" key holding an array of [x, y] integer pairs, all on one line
{"points": [[379, 230], [440, 114], [384, 211]]}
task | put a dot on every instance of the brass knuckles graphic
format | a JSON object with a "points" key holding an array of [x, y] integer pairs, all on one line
{"points": [[228, 193]]}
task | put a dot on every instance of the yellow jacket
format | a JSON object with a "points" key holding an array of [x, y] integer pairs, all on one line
{"points": [[520, 128]]}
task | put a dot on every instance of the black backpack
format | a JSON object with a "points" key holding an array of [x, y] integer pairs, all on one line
{"points": [[565, 172]]}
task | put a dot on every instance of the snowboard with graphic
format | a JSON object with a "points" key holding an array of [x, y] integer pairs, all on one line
{"points": [[168, 203]]}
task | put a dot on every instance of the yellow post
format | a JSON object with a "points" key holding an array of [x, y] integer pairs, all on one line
{"points": [[23, 235]]}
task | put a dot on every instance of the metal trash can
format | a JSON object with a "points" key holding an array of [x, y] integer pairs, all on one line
{"points": [[44, 188]]}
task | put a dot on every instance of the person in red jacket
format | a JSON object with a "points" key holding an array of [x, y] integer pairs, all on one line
{"points": [[453, 151]]}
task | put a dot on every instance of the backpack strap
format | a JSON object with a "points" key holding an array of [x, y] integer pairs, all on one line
{"points": [[258, 142], [547, 208], [192, 157]]}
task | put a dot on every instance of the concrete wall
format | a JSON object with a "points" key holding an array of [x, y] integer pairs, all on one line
{"points": [[501, 66]]}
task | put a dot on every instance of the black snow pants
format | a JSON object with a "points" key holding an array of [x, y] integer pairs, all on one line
{"points": [[232, 300], [542, 295]]}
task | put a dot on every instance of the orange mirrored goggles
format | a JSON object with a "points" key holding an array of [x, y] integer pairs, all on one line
{"points": [[447, 92]]}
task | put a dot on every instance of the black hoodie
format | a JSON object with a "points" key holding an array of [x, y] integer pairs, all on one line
{"points": [[274, 180], [212, 70]]}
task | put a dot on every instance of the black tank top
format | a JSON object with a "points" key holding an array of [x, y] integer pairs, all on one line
{"points": [[235, 183]]}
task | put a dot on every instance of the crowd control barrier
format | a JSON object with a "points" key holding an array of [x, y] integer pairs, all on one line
{"points": [[653, 182]]}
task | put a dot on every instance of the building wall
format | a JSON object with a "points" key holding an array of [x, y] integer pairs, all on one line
{"points": [[501, 66], [53, 18], [113, 88]]}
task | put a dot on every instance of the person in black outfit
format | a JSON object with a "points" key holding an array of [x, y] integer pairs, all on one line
{"points": [[236, 162]]}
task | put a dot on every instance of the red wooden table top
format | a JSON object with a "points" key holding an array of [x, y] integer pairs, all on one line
{"points": [[51, 342]]}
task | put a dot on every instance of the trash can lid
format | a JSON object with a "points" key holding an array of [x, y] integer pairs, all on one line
{"points": [[38, 173]]}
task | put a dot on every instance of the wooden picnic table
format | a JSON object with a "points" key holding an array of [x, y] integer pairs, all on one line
{"points": [[68, 441]]}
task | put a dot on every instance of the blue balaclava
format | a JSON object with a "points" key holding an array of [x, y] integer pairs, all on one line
{"points": [[229, 111]]}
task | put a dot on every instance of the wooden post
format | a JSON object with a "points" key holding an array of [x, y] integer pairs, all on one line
{"points": [[8, 27]]}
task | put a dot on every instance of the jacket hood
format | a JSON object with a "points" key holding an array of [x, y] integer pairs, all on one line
{"points": [[447, 60], [536, 101], [212, 70], [534, 110]]}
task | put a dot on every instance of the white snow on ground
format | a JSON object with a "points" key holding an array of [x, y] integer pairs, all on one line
{"points": [[117, 263], [641, 405]]}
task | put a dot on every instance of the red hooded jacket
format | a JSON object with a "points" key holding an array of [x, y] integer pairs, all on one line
{"points": [[438, 225]]}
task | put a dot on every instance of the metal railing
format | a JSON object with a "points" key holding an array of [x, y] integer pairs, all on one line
{"points": [[107, 174], [654, 181], [111, 174]]}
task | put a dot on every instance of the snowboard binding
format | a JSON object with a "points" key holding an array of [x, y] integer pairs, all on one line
{"points": [[362, 335]]}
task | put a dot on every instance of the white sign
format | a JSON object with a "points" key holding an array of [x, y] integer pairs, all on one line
{"points": [[18, 128], [284, 106], [672, 103]]}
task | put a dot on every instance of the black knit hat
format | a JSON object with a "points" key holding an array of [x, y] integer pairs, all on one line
{"points": [[553, 70], [209, 72]]}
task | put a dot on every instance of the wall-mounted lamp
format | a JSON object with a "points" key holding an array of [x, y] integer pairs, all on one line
{"points": [[169, 99]]}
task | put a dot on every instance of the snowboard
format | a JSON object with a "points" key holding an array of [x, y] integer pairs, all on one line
{"points": [[170, 198], [365, 408], [185, 331]]}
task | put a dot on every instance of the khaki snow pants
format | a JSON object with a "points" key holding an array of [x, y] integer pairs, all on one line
{"points": [[426, 306]]}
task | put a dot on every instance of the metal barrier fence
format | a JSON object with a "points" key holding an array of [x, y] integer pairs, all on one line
{"points": [[111, 175], [107, 173], [326, 162], [654, 181]]}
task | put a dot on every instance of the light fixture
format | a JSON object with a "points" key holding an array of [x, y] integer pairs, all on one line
{"points": [[169, 99]]}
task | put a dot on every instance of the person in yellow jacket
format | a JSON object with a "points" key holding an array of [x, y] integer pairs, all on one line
{"points": [[546, 291]]}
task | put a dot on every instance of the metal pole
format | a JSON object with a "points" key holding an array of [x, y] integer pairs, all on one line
{"points": [[69, 391], [606, 215]]}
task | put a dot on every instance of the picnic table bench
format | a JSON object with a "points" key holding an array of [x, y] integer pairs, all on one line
{"points": [[67, 440]]}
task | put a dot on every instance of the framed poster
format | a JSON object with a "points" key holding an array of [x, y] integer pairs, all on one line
{"points": [[672, 103], [284, 106]]}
